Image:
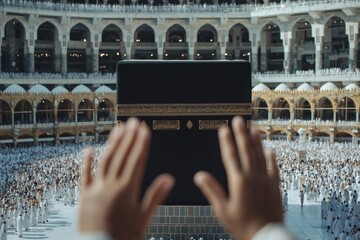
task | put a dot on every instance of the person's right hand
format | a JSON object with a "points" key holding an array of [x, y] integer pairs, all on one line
{"points": [[254, 197]]}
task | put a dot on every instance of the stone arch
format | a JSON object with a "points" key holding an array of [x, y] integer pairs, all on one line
{"points": [[343, 137], [80, 32], [14, 52], [79, 49], [85, 111], [303, 44], [45, 44], [302, 109], [324, 110], [23, 113], [103, 135], [336, 51], [144, 33], [260, 109], [25, 139], [112, 48], [45, 112], [207, 33], [66, 111], [5, 113], [112, 33], [239, 45], [47, 31], [105, 110], [243, 33], [271, 48], [346, 110], [281, 109], [6, 139], [176, 34]]}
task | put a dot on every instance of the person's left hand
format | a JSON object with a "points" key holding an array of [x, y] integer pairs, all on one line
{"points": [[110, 201]]}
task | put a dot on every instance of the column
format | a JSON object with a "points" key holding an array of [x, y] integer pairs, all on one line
{"points": [[12, 116], [357, 116], [289, 136], [222, 52], [191, 39], [318, 34], [254, 36], [0, 53], [332, 137], [254, 58], [95, 63], [269, 114], [161, 39], [129, 42], [353, 55], [95, 116], [34, 115], [224, 38], [76, 110], [30, 59], [63, 60], [312, 115], [352, 30], [292, 114], [55, 114], [286, 37], [30, 51], [268, 136]]}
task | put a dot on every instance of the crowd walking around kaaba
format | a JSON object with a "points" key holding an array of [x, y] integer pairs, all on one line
{"points": [[32, 177]]}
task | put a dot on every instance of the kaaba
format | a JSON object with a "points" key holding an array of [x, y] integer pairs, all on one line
{"points": [[184, 103]]}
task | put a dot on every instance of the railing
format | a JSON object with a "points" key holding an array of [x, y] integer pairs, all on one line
{"points": [[306, 123], [176, 45], [296, 7], [92, 8], [284, 8], [105, 122], [57, 78], [5, 126], [206, 44], [145, 44], [324, 75]]}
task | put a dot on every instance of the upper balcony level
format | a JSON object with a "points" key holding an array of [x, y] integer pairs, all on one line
{"points": [[334, 75], [320, 77], [186, 10]]}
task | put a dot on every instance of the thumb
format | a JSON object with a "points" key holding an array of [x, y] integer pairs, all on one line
{"points": [[155, 195], [212, 190]]}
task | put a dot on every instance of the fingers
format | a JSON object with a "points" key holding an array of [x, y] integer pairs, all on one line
{"points": [[123, 147], [136, 160], [155, 195], [87, 178], [213, 191], [113, 141], [229, 155], [244, 145]]}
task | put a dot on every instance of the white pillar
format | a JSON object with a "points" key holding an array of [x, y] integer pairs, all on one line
{"points": [[318, 34], [352, 30], [286, 37], [191, 38]]}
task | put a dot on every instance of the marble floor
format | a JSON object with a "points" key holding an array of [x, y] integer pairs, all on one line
{"points": [[304, 222]]}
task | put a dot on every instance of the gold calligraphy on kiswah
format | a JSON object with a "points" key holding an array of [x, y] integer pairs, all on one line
{"points": [[184, 109], [166, 125]]}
